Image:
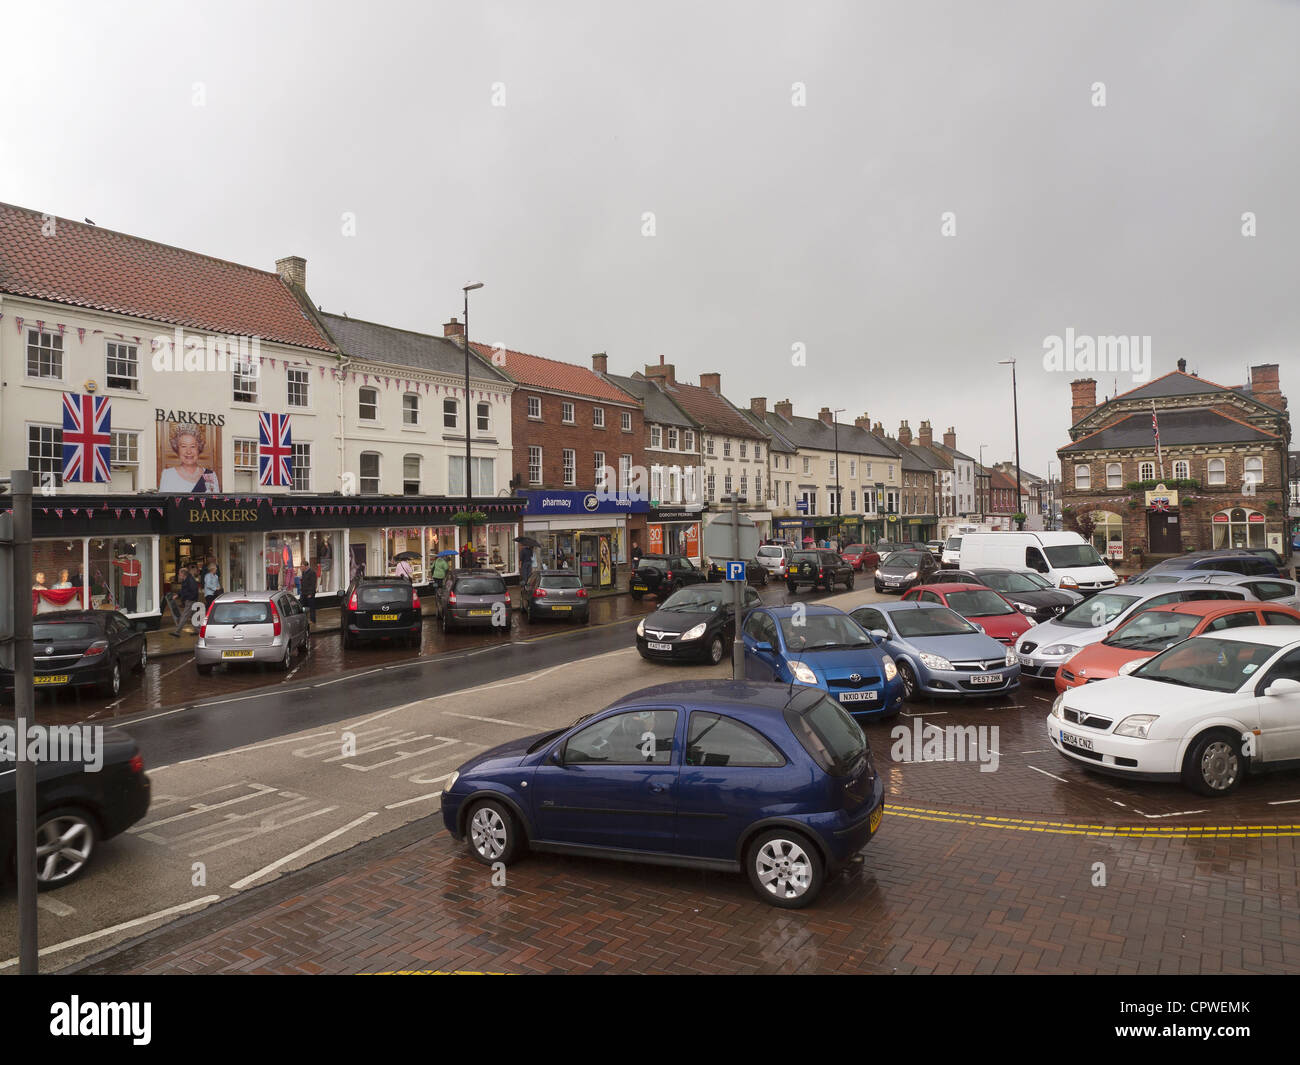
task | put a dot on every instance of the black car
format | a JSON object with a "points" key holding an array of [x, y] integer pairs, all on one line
{"points": [[557, 594], [661, 575], [819, 569], [755, 572], [381, 608], [1229, 559], [81, 648], [75, 809], [899, 570], [692, 624], [1027, 591]]}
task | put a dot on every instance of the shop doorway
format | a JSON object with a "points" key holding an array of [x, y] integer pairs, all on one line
{"points": [[178, 551], [1164, 533]]}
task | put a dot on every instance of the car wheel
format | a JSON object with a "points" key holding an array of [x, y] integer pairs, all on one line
{"points": [[287, 660], [1214, 764], [785, 869], [144, 656], [636, 596], [305, 646], [715, 650], [113, 685], [204, 671], [791, 587], [910, 687], [493, 832], [349, 641], [65, 840], [848, 585]]}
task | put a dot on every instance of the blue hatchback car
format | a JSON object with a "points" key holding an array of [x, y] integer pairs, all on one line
{"points": [[939, 653], [823, 647], [727, 775]]}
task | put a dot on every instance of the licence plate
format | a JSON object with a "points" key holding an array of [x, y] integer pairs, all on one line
{"points": [[858, 697], [986, 678], [660, 646], [1080, 742], [1025, 660], [236, 654], [640, 587], [561, 608], [876, 815], [480, 613], [51, 678], [383, 617]]}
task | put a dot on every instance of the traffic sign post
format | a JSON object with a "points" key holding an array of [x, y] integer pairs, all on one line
{"points": [[733, 537], [736, 571]]}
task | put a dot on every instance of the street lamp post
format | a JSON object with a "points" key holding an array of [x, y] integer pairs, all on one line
{"points": [[1051, 497], [839, 503], [982, 493], [1015, 413], [469, 493]]}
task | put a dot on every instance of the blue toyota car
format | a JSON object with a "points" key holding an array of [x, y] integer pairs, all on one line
{"points": [[727, 775], [938, 652], [823, 647]]}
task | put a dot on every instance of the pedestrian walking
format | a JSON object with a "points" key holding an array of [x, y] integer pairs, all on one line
{"points": [[403, 569], [188, 596], [307, 593], [525, 563], [466, 556], [211, 584], [441, 565], [635, 556]]}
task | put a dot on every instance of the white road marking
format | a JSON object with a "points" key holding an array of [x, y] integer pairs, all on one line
{"points": [[1036, 750], [1047, 774], [1283, 802], [239, 885], [491, 720], [171, 911], [238, 750], [927, 713], [140, 720], [180, 667], [54, 906], [385, 713], [419, 798], [350, 676], [1179, 813]]}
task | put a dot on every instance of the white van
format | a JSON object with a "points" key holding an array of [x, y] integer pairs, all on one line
{"points": [[1064, 558], [952, 545]]}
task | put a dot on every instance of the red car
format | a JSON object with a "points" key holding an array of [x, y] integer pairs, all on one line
{"points": [[860, 556], [976, 603]]}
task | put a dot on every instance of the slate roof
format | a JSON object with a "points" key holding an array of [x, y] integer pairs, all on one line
{"points": [[815, 434], [402, 347], [1177, 383], [1192, 426], [711, 411], [84, 266], [556, 376], [659, 408]]}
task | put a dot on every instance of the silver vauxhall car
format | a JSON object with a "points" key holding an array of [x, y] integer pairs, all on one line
{"points": [[248, 627]]}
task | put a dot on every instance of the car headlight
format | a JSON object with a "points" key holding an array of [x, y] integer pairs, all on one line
{"points": [[640, 627], [1137, 726], [802, 673], [934, 661], [695, 633], [1057, 705], [891, 670], [911, 576], [1031, 621], [1059, 649], [1011, 658], [451, 781]]}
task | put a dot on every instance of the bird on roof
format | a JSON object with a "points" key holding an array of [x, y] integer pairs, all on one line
{"points": [[88, 222]]}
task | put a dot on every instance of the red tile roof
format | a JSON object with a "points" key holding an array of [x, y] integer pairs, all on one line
{"points": [[712, 411], [557, 376], [85, 266]]}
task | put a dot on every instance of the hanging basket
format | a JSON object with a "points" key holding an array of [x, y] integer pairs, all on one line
{"points": [[468, 517]]}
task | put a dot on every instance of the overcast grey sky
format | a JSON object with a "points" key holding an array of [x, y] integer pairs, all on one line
{"points": [[248, 130]]}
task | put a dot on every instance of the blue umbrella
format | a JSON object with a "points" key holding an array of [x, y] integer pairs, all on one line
{"points": [[446, 554]]}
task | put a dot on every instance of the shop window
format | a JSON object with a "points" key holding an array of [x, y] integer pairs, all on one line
{"points": [[123, 366], [327, 561], [370, 472], [301, 467], [1216, 471], [298, 383], [501, 548], [1108, 529], [1239, 527], [411, 475], [410, 409], [368, 404], [403, 541], [438, 539], [58, 580]]}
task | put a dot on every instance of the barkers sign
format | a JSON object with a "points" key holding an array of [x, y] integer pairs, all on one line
{"points": [[206, 514]]}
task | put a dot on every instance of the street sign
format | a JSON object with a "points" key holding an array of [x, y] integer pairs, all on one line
{"points": [[735, 571], [801, 506], [719, 537]]}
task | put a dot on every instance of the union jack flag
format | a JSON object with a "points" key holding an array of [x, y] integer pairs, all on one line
{"points": [[87, 441], [274, 451]]}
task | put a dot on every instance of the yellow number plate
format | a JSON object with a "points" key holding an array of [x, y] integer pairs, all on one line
{"points": [[52, 678], [876, 816], [480, 613], [383, 617], [561, 608], [236, 654]]}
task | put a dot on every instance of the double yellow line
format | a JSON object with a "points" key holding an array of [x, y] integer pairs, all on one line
{"points": [[1066, 828]]}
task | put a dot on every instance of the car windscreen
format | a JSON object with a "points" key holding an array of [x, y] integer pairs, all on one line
{"points": [[1208, 662], [910, 559], [823, 632], [855, 549], [379, 594], [1153, 630], [1013, 582], [936, 622], [953, 543], [806, 556], [769, 552], [834, 740], [660, 564], [557, 582], [231, 613], [697, 600], [1101, 609], [978, 603], [1073, 555], [480, 586], [65, 630]]}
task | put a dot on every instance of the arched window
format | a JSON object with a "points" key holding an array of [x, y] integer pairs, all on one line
{"points": [[1215, 471], [1146, 471], [1254, 471], [1083, 477], [1114, 475], [1109, 529], [1182, 470], [1239, 527], [368, 404]]}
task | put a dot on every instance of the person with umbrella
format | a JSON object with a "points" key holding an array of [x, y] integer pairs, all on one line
{"points": [[441, 565], [466, 556], [403, 568]]}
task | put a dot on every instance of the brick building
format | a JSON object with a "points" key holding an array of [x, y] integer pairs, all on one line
{"points": [[1224, 453]]}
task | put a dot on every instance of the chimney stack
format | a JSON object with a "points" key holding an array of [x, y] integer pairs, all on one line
{"points": [[1265, 386], [712, 381], [785, 409], [950, 438], [453, 328], [926, 436], [1083, 398], [600, 362], [758, 407], [825, 416], [863, 423], [1182, 365], [664, 373], [878, 430], [904, 434], [293, 269]]}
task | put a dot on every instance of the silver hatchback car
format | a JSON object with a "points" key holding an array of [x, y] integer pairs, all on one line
{"points": [[252, 627], [474, 597]]}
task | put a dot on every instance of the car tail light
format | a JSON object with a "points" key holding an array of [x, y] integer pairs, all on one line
{"points": [[136, 763], [540, 593], [415, 601], [582, 593], [96, 648], [275, 620], [669, 575], [352, 602], [203, 629], [451, 598]]}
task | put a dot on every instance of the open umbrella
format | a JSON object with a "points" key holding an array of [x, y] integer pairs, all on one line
{"points": [[447, 554], [407, 556], [528, 541]]}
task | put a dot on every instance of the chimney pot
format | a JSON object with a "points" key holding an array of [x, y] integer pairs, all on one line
{"points": [[1182, 365], [600, 362], [825, 416], [785, 409], [950, 438], [453, 328]]}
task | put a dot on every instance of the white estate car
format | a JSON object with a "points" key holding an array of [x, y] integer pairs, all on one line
{"points": [[1205, 712]]}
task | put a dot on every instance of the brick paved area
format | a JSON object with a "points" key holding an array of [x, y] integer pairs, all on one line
{"points": [[930, 896]]}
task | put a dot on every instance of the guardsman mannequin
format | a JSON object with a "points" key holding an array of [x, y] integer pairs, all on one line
{"points": [[131, 573]]}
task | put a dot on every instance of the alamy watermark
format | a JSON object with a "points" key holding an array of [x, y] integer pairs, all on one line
{"points": [[53, 743], [1076, 353], [920, 742]]}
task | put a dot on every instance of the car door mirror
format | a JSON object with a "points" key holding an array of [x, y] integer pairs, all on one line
{"points": [[763, 645], [557, 756], [879, 635], [1283, 686], [1129, 667]]}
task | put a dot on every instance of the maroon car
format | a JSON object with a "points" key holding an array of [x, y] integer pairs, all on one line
{"points": [[859, 556]]}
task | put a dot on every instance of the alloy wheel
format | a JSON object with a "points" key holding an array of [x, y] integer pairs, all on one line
{"points": [[783, 868], [63, 846], [488, 833]]}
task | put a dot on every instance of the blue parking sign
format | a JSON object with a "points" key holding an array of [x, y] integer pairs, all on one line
{"points": [[735, 571]]}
